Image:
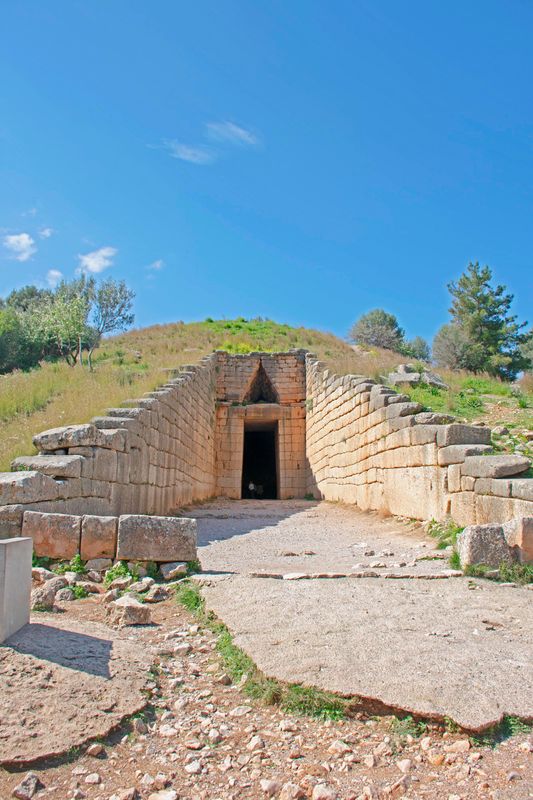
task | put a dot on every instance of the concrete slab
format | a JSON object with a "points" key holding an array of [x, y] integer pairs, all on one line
{"points": [[15, 584]]}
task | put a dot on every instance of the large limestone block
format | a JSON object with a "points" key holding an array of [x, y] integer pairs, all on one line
{"points": [[15, 585], [456, 453], [518, 533], [500, 466], [87, 435], [522, 489], [11, 521], [66, 436], [418, 492], [483, 544], [162, 539], [458, 433], [26, 487], [54, 535], [57, 466], [98, 537]]}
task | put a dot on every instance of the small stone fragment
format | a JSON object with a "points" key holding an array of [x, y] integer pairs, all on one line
{"points": [[270, 788], [128, 611], [95, 750], [193, 768], [291, 791], [28, 786], [93, 778], [323, 792], [173, 570]]}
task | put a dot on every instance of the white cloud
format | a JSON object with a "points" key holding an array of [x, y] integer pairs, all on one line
{"points": [[97, 260], [20, 245], [45, 233], [194, 155], [156, 265], [232, 133], [53, 276], [31, 212]]}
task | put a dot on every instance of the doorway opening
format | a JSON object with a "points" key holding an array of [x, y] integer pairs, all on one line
{"points": [[259, 462]]}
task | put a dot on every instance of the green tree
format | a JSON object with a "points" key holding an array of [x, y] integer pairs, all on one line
{"points": [[62, 321], [482, 313], [450, 347], [378, 328], [417, 348], [112, 304]]}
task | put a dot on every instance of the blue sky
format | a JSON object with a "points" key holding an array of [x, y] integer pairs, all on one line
{"points": [[301, 160]]}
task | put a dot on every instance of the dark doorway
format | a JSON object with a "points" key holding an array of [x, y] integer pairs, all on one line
{"points": [[259, 464]]}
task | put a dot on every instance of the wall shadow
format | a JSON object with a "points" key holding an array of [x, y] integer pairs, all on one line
{"points": [[239, 517], [68, 649]]}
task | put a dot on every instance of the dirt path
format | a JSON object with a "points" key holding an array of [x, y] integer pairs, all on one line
{"points": [[202, 739]]}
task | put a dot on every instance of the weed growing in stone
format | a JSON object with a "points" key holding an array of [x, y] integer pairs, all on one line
{"points": [[445, 533], [80, 592], [74, 565], [402, 727], [509, 726], [292, 698], [120, 570], [506, 573]]}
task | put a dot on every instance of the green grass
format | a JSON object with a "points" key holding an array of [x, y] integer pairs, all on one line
{"points": [[505, 573], [445, 533], [401, 727], [74, 565], [120, 570], [508, 727], [80, 592], [291, 698]]}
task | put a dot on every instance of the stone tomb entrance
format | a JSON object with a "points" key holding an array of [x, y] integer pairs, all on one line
{"points": [[260, 461], [260, 426]]}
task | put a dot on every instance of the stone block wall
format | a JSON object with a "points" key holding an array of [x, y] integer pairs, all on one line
{"points": [[149, 458], [368, 445], [235, 377]]}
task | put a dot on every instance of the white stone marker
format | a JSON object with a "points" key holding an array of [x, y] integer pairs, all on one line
{"points": [[15, 584]]}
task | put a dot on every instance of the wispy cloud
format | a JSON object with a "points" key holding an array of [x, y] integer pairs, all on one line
{"points": [[53, 276], [155, 266], [196, 154], [231, 133], [31, 212], [45, 233], [21, 246], [97, 260]]}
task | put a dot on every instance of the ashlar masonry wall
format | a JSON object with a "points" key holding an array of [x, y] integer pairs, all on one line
{"points": [[149, 458], [370, 446], [236, 375]]}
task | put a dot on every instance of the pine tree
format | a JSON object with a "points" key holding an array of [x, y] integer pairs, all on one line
{"points": [[482, 313]]}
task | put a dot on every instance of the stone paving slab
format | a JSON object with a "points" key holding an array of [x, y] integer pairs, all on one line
{"points": [[295, 536], [436, 648], [433, 648], [63, 683]]}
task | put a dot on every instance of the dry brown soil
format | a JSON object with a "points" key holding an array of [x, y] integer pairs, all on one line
{"points": [[205, 740]]}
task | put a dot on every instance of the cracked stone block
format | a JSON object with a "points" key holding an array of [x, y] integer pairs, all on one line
{"points": [[161, 539], [483, 544], [53, 535]]}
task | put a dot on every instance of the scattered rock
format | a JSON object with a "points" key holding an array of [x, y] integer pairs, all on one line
{"points": [[64, 595], [404, 765], [164, 794], [156, 594], [193, 767], [96, 750], [291, 791], [28, 787], [93, 778], [173, 570], [128, 611], [41, 575], [98, 564], [323, 792], [270, 788], [43, 597]]}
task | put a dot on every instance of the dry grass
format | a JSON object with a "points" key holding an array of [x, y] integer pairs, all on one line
{"points": [[126, 366]]}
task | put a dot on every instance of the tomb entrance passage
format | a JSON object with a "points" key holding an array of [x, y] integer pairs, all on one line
{"points": [[260, 462]]}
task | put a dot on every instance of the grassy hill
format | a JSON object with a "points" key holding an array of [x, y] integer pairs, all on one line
{"points": [[126, 366]]}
